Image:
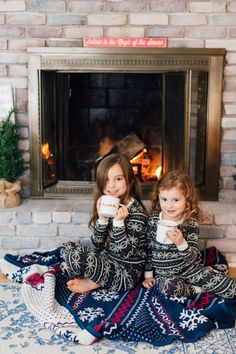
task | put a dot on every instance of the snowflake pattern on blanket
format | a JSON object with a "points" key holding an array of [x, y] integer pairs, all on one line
{"points": [[135, 315]]}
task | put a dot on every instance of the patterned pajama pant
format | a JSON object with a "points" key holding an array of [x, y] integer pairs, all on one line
{"points": [[208, 280], [84, 262]]}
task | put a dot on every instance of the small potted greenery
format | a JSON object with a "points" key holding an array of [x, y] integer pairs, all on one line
{"points": [[11, 162]]}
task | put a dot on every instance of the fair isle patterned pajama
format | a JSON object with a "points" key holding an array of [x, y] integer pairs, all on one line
{"points": [[176, 272], [117, 260]]}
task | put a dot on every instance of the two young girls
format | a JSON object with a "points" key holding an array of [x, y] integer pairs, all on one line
{"points": [[119, 257], [116, 262], [176, 267]]}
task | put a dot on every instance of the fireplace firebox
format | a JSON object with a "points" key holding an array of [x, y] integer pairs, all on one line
{"points": [[161, 107]]}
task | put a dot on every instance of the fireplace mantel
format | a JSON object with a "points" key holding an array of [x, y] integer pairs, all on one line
{"points": [[147, 59], [131, 60]]}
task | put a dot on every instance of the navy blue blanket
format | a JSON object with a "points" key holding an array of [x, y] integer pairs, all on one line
{"points": [[135, 315]]}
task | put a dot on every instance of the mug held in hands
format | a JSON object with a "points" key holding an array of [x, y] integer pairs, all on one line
{"points": [[109, 206], [162, 227]]}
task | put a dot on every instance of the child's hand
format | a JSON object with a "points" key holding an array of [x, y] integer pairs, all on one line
{"points": [[213, 269], [176, 236], [101, 217], [149, 282], [122, 213]]}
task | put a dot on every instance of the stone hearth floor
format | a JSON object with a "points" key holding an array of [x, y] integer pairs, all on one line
{"points": [[46, 222], [84, 203]]}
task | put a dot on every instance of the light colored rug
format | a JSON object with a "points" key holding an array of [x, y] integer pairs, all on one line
{"points": [[20, 333]]}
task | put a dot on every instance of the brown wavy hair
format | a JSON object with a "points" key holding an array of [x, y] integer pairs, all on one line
{"points": [[133, 185], [181, 180]]}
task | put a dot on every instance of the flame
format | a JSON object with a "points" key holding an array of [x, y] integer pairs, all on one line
{"points": [[135, 169], [158, 171], [48, 156], [105, 146], [139, 156], [148, 163], [46, 151]]}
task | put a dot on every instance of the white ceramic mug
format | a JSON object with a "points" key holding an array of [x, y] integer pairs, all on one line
{"points": [[162, 227], [109, 206]]}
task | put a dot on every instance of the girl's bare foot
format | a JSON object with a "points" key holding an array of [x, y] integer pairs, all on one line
{"points": [[64, 266], [82, 285]]}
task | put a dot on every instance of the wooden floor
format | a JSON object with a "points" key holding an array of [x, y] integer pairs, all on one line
{"points": [[3, 279], [232, 272]]}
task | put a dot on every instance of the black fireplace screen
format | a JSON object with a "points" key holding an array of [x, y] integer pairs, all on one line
{"points": [[86, 116]]}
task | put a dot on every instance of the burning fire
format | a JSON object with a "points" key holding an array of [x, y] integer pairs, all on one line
{"points": [[139, 156], [48, 156], [158, 172], [46, 151], [145, 166]]}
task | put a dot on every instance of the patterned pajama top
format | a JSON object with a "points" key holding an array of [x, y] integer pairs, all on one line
{"points": [[178, 270], [168, 259], [117, 260]]}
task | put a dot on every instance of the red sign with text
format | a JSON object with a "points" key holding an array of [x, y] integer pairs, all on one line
{"points": [[127, 42]]}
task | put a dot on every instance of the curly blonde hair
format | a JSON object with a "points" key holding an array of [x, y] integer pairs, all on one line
{"points": [[181, 180]]}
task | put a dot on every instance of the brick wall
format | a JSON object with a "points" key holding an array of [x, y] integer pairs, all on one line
{"points": [[201, 24]]}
